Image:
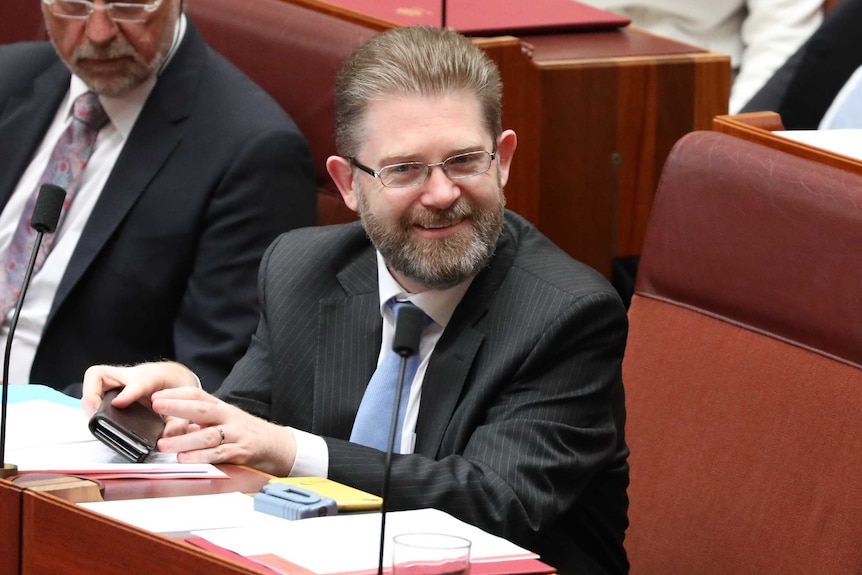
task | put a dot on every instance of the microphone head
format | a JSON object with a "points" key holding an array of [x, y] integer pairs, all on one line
{"points": [[408, 331], [46, 211]]}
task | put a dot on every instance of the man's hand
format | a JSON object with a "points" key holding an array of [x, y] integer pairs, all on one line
{"points": [[138, 382], [218, 432]]}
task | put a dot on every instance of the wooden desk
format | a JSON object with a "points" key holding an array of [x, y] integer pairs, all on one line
{"points": [[60, 537], [757, 127], [10, 527], [596, 115]]}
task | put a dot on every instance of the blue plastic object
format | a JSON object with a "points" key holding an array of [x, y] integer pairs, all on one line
{"points": [[292, 502]]}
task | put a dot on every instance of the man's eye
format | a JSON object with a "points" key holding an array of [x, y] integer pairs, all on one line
{"points": [[463, 159]]}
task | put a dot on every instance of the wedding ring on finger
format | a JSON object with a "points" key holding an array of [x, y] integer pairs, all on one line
{"points": [[221, 434]]}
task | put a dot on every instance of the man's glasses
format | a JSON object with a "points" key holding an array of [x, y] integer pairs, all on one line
{"points": [[409, 174], [117, 11]]}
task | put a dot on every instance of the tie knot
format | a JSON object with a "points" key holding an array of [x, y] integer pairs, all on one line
{"points": [[88, 109]]}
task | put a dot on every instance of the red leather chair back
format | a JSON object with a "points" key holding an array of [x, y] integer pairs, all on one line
{"points": [[744, 387], [294, 54]]}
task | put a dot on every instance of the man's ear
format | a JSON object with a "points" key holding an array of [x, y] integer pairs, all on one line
{"points": [[341, 173], [506, 144]]}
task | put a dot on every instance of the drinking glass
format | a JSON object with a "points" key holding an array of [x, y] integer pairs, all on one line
{"points": [[430, 554]]}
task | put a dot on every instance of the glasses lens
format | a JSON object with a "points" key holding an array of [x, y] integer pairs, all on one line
{"points": [[71, 8], [466, 165], [403, 175], [129, 11]]}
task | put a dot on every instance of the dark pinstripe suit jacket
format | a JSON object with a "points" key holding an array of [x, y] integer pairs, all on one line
{"points": [[520, 428]]}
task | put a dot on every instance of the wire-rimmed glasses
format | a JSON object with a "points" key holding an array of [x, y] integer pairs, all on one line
{"points": [[409, 174], [117, 11]]}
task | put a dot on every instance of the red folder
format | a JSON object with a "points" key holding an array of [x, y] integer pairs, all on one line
{"points": [[487, 17]]}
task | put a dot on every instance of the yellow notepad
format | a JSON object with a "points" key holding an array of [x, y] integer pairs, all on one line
{"points": [[346, 498]]}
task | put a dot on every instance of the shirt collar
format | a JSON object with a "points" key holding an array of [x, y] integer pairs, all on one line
{"points": [[439, 305]]}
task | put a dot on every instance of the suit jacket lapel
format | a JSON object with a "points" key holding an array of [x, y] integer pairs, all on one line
{"points": [[351, 331], [156, 134], [456, 350], [23, 123]]}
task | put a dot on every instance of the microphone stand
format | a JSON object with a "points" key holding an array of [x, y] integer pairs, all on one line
{"points": [[46, 215], [10, 469], [408, 330], [388, 471]]}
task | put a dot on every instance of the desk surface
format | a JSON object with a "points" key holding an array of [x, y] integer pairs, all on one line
{"points": [[242, 479], [41, 533]]}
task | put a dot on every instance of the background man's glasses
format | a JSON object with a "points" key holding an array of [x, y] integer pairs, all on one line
{"points": [[409, 174], [117, 11]]}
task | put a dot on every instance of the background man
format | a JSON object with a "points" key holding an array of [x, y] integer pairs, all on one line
{"points": [[514, 419], [193, 173]]}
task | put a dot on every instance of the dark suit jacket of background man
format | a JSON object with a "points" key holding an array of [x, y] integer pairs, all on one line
{"points": [[212, 172], [520, 428], [802, 90]]}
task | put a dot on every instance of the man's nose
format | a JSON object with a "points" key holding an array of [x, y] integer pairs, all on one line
{"points": [[101, 28], [439, 191]]}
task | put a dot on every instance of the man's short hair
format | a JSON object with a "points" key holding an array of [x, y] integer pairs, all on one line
{"points": [[413, 61]]}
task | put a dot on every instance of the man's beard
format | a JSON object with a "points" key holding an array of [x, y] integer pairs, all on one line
{"points": [[436, 263], [126, 71]]}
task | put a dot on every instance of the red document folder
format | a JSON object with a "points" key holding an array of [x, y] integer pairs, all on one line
{"points": [[486, 17]]}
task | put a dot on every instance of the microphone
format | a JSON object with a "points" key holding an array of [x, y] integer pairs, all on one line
{"points": [[46, 215], [408, 330]]}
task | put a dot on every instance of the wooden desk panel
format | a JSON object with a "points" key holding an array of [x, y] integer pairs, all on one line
{"points": [[757, 127], [60, 537], [10, 528], [612, 105]]}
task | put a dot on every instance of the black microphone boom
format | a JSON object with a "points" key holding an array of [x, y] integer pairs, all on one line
{"points": [[46, 215], [408, 331]]}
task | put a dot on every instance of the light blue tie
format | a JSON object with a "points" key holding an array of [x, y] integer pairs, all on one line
{"points": [[371, 427]]}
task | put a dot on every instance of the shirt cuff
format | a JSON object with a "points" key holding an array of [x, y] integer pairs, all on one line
{"points": [[312, 455]]}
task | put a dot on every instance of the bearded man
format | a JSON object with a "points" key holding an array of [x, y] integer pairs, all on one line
{"points": [[514, 411], [179, 172]]}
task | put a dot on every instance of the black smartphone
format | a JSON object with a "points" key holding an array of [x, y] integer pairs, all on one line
{"points": [[131, 431]]}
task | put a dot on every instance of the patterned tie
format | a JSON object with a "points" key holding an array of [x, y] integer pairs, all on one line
{"points": [[371, 427], [65, 166]]}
